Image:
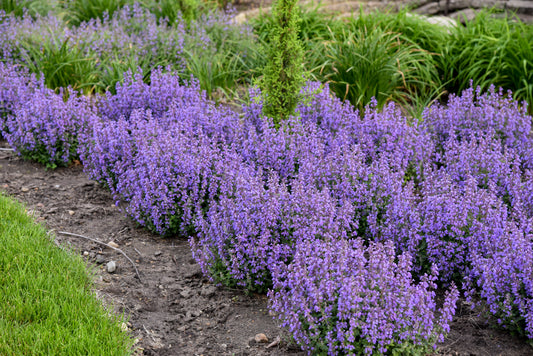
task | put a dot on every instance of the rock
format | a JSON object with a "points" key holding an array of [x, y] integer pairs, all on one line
{"points": [[261, 338], [86, 253], [25, 189], [113, 244], [111, 266], [71, 212], [100, 259], [157, 253]]}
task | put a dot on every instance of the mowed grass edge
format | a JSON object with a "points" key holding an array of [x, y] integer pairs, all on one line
{"points": [[46, 303]]}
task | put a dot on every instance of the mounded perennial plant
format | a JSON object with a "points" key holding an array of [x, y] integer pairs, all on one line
{"points": [[340, 297]]}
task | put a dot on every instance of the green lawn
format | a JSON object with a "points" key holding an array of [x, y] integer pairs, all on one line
{"points": [[46, 303]]}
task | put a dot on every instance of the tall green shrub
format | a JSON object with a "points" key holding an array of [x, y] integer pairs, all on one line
{"points": [[283, 74]]}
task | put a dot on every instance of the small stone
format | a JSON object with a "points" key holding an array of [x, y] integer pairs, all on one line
{"points": [[261, 338], [86, 253], [124, 327], [25, 189], [57, 186], [157, 253], [100, 259], [113, 244], [182, 328], [71, 212], [40, 205], [111, 266], [223, 347]]}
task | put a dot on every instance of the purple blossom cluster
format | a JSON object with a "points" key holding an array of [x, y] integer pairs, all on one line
{"points": [[343, 297], [37, 122], [474, 114], [157, 147]]}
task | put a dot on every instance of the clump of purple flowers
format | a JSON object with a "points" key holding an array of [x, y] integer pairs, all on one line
{"points": [[37, 122], [342, 297], [157, 147]]}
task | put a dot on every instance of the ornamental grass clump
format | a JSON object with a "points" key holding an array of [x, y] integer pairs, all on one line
{"points": [[343, 297]]}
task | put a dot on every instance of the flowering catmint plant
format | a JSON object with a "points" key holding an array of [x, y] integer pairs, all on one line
{"points": [[501, 275], [342, 297], [40, 124], [474, 114], [254, 226], [163, 90], [16, 86]]}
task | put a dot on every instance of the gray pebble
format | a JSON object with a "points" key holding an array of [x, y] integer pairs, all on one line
{"points": [[100, 259], [111, 266]]}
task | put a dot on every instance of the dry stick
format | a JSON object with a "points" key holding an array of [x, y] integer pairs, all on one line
{"points": [[7, 149], [103, 243]]}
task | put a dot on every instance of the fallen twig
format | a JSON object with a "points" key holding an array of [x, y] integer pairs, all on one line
{"points": [[7, 149], [105, 244], [276, 342], [149, 333]]}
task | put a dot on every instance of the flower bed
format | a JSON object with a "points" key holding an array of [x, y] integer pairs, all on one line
{"points": [[332, 199]]}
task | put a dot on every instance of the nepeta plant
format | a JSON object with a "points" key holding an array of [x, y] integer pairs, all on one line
{"points": [[502, 276], [40, 124], [342, 297], [473, 114]]}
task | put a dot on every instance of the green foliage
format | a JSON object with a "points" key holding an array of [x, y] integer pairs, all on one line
{"points": [[490, 51], [174, 10], [33, 7], [230, 58], [366, 63], [313, 26], [78, 11], [283, 74], [61, 63], [41, 155], [47, 306]]}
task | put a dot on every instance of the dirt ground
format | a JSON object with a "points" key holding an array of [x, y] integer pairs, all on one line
{"points": [[173, 309]]}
